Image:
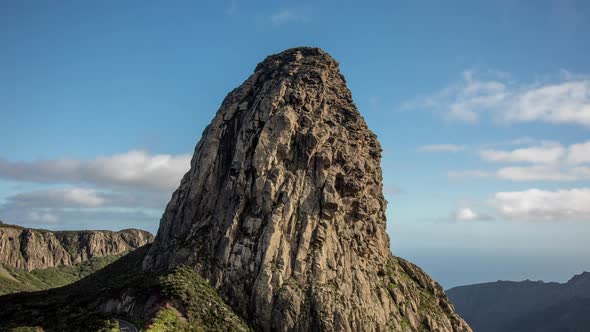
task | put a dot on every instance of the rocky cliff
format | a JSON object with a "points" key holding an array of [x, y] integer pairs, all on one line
{"points": [[283, 210], [29, 249]]}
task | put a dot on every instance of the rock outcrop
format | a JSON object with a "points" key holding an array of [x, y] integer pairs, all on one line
{"points": [[29, 249], [283, 210]]}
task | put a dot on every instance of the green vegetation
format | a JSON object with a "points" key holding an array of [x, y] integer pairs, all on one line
{"points": [[16, 280], [110, 325], [26, 329], [203, 307], [188, 302], [167, 320]]}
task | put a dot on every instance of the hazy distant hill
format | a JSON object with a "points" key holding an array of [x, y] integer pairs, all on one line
{"points": [[506, 306]]}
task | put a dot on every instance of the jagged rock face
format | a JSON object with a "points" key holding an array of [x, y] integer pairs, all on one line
{"points": [[29, 249], [283, 211]]}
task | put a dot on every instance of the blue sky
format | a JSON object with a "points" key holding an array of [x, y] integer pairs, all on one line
{"points": [[483, 111]]}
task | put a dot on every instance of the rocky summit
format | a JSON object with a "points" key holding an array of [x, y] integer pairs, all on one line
{"points": [[283, 212]]}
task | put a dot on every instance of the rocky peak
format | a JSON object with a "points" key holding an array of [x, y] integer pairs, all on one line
{"points": [[283, 210]]}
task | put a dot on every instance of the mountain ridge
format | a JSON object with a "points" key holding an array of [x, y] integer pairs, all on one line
{"points": [[30, 249], [520, 305]]}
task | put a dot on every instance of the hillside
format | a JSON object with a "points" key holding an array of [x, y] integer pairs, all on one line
{"points": [[17, 280], [506, 306], [36, 259]]}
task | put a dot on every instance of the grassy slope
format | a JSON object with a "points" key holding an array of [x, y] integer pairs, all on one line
{"points": [[201, 308], [16, 280]]}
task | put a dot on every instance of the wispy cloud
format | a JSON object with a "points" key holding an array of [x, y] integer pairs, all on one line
{"points": [[287, 16], [85, 198], [133, 169], [440, 148], [579, 153], [70, 197], [54, 206], [548, 152], [548, 161], [565, 101]]}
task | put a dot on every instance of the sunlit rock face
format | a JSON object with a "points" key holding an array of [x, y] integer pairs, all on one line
{"points": [[283, 210]]}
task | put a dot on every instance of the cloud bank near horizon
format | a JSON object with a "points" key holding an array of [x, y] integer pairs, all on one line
{"points": [[120, 184]]}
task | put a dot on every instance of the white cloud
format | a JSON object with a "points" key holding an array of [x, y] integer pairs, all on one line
{"points": [[548, 152], [85, 198], [535, 173], [440, 148], [134, 169], [468, 214], [535, 204], [549, 161], [579, 153], [465, 214], [286, 16], [529, 173], [65, 206], [567, 101]]}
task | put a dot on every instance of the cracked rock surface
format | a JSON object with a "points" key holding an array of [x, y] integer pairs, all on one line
{"points": [[283, 210]]}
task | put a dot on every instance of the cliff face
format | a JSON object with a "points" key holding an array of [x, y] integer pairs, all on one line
{"points": [[283, 210], [29, 249]]}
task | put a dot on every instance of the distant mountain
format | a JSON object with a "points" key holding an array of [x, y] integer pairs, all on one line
{"points": [[506, 306], [29, 249], [36, 259]]}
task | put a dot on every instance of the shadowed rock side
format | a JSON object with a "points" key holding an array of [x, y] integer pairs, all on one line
{"points": [[29, 249], [283, 210]]}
